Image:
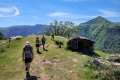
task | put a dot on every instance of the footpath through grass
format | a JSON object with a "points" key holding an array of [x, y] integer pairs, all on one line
{"points": [[54, 64]]}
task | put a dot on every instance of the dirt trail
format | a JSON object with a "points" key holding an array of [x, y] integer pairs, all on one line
{"points": [[37, 70], [38, 67]]}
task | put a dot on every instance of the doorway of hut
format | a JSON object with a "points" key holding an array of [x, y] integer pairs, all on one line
{"points": [[80, 45]]}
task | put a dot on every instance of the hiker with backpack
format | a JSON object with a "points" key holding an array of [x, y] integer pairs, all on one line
{"points": [[52, 37], [43, 42], [37, 44], [27, 56]]}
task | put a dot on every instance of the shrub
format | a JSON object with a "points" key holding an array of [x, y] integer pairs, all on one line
{"points": [[2, 50], [103, 71], [59, 43]]}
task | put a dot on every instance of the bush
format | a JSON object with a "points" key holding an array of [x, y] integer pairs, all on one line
{"points": [[59, 43], [110, 74], [2, 50], [103, 71]]}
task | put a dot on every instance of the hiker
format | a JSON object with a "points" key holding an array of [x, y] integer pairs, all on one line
{"points": [[9, 41], [37, 44], [43, 42], [52, 37], [27, 56]]}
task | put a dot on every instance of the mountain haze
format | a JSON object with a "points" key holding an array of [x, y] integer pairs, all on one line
{"points": [[24, 30]]}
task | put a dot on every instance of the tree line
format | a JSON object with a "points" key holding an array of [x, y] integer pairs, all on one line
{"points": [[63, 28], [1, 36], [58, 28]]}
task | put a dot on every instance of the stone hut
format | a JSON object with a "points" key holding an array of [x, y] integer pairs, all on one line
{"points": [[80, 44]]}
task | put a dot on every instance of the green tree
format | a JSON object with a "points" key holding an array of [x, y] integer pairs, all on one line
{"points": [[1, 36], [63, 28]]}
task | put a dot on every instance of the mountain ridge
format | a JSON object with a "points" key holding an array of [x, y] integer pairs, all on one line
{"points": [[97, 20], [23, 30], [106, 34]]}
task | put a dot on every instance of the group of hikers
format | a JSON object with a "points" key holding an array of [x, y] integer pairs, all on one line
{"points": [[27, 55], [37, 42]]}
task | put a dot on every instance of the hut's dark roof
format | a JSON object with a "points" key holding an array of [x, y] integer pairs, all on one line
{"points": [[82, 38]]}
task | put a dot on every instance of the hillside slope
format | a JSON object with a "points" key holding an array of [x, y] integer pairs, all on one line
{"points": [[54, 64], [105, 33]]}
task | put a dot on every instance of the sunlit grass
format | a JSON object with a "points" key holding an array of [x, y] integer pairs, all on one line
{"points": [[62, 64]]}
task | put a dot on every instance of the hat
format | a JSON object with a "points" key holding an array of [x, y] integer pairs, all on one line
{"points": [[27, 43]]}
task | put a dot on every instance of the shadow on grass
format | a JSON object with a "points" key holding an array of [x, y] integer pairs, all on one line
{"points": [[31, 78], [86, 52], [39, 52], [58, 43], [45, 49], [89, 53]]}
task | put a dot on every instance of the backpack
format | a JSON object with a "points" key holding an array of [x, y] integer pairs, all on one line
{"points": [[43, 39], [28, 51]]}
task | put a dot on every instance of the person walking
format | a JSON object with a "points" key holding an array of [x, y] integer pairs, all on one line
{"points": [[52, 37], [43, 42], [37, 44], [27, 57]]}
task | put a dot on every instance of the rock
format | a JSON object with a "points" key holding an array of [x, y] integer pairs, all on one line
{"points": [[117, 60], [116, 64], [96, 62]]}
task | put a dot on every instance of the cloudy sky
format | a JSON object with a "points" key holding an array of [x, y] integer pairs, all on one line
{"points": [[31, 12]]}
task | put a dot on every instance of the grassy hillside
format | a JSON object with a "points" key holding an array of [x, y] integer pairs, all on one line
{"points": [[54, 64], [106, 34]]}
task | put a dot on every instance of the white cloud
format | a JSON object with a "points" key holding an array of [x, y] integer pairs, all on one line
{"points": [[104, 13], [9, 11], [59, 14], [68, 15], [107, 13], [75, 0], [17, 12], [83, 16], [6, 9]]}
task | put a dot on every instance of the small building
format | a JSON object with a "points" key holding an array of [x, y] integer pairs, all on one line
{"points": [[80, 44]]}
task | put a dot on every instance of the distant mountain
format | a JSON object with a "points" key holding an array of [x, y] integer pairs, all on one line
{"points": [[106, 34], [23, 30], [117, 22], [97, 20]]}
